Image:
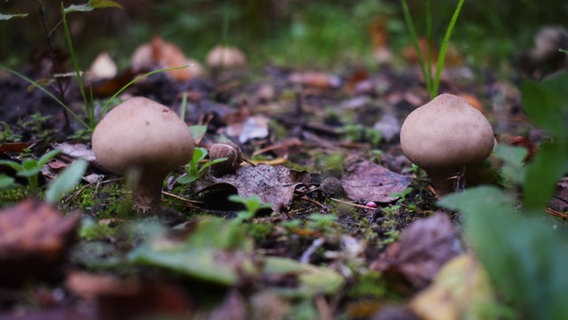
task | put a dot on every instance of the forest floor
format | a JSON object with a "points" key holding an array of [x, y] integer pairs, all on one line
{"points": [[350, 230]]}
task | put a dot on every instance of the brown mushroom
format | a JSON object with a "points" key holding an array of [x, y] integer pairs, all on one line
{"points": [[144, 138], [445, 136]]}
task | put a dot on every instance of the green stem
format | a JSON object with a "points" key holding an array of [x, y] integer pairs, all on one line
{"points": [[444, 47], [76, 64], [414, 38]]}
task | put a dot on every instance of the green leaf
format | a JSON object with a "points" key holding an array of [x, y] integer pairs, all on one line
{"points": [[66, 181], [6, 181], [78, 8], [546, 103], [524, 257], [312, 280], [513, 169], [48, 156], [198, 131], [4, 16], [30, 167], [543, 172], [12, 164], [99, 4], [216, 251]]}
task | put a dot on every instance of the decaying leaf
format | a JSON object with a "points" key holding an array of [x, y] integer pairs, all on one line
{"points": [[116, 298], [460, 290], [254, 127], [372, 182], [34, 240], [273, 184], [423, 248]]}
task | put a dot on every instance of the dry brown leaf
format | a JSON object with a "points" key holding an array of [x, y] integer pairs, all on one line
{"points": [[368, 181], [273, 184], [421, 251], [117, 298], [34, 240]]}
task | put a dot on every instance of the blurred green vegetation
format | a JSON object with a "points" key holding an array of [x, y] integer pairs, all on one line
{"points": [[287, 32]]}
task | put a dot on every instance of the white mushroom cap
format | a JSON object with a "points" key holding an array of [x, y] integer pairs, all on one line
{"points": [[140, 134], [444, 136]]}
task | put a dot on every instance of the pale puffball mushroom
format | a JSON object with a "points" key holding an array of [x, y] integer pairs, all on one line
{"points": [[445, 136], [225, 57], [146, 138]]}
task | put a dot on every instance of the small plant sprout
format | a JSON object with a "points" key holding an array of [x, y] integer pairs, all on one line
{"points": [[432, 81], [253, 204], [30, 168], [193, 170]]}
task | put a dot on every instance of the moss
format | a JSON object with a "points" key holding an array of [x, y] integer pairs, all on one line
{"points": [[104, 201]]}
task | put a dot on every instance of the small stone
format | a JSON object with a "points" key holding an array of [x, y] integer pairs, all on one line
{"points": [[331, 187]]}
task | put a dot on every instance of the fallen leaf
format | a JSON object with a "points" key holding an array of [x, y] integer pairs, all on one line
{"points": [[460, 290], [116, 298], [316, 79], [17, 147], [273, 184], [368, 181], [255, 127], [34, 241], [423, 248], [76, 150]]}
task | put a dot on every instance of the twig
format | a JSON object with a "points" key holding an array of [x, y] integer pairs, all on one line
{"points": [[353, 204], [305, 258], [557, 214]]}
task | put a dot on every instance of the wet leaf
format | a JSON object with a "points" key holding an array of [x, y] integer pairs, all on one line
{"points": [[372, 182], [34, 240]]}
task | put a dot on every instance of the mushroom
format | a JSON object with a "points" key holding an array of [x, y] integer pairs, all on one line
{"points": [[445, 136], [146, 139], [225, 57]]}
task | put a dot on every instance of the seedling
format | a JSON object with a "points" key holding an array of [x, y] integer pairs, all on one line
{"points": [[432, 81], [322, 222], [253, 204], [30, 168], [193, 170]]}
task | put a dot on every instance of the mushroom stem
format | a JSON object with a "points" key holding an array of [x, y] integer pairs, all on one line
{"points": [[446, 180], [147, 193]]}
